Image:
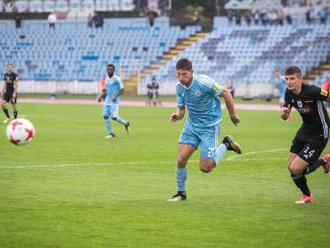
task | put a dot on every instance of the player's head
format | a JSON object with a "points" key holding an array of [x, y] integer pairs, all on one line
{"points": [[293, 77], [184, 71], [10, 67], [110, 69], [277, 73]]}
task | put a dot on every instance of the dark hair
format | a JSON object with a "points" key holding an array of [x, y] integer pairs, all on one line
{"points": [[293, 70], [184, 64], [111, 65]]}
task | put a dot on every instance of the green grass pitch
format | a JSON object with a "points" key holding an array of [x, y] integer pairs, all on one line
{"points": [[72, 188]]}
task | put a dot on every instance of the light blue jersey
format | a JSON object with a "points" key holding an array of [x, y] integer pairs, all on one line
{"points": [[112, 86], [202, 99], [281, 86]]}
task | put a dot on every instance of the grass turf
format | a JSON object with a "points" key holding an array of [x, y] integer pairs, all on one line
{"points": [[72, 188]]}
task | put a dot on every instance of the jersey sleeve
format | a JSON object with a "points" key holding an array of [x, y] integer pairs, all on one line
{"points": [[15, 77], [216, 89], [287, 99], [319, 94], [179, 99]]}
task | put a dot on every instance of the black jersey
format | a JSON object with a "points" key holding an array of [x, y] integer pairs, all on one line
{"points": [[9, 79], [310, 105]]}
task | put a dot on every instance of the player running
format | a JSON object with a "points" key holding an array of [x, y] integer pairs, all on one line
{"points": [[112, 89], [9, 92], [312, 137], [201, 96]]}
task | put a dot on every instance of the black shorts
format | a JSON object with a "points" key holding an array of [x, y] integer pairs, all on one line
{"points": [[8, 97], [308, 147]]}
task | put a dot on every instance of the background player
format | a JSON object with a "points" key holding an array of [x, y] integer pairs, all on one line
{"points": [[9, 92], [312, 137], [112, 89], [201, 96], [280, 84]]}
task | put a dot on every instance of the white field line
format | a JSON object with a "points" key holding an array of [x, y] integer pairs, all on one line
{"points": [[240, 157], [258, 152]]}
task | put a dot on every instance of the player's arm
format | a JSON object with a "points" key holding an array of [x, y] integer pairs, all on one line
{"points": [[121, 90], [102, 95], [2, 93], [285, 111], [178, 114], [15, 88], [103, 92], [181, 108], [230, 106], [319, 94]]}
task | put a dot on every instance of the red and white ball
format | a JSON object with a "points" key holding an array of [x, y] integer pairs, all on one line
{"points": [[20, 131]]}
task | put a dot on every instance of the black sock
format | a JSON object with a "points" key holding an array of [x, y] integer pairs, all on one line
{"points": [[5, 110], [313, 166], [301, 183], [15, 114]]}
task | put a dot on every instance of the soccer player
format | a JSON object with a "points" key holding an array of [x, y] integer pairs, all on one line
{"points": [[312, 137], [9, 92], [112, 89], [201, 96], [280, 84]]}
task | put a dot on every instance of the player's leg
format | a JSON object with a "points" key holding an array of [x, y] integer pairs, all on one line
{"points": [[211, 153], [115, 116], [188, 143], [107, 122], [13, 101], [312, 153], [4, 107], [304, 163], [296, 165]]}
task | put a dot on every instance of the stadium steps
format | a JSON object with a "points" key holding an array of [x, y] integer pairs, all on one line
{"points": [[314, 73], [131, 84]]}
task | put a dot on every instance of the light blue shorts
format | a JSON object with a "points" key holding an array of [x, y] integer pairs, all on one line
{"points": [[206, 138], [111, 110]]}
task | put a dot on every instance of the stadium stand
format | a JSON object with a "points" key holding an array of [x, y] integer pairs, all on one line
{"points": [[74, 51], [243, 54]]}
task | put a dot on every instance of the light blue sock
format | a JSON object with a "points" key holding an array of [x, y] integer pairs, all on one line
{"points": [[121, 121], [219, 153], [181, 177], [108, 125]]}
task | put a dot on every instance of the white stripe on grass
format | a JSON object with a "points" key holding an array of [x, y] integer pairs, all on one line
{"points": [[257, 152], [241, 157]]}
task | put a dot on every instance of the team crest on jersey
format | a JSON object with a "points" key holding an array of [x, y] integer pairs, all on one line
{"points": [[198, 93], [300, 105], [324, 92]]}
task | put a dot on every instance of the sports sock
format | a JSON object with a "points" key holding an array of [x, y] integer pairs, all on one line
{"points": [[108, 125], [313, 166], [15, 114], [219, 153], [181, 176], [5, 110], [121, 121], [301, 183]]}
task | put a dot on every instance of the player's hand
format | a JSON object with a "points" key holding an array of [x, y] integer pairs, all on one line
{"points": [[235, 119], [99, 99], [14, 95], [174, 117], [285, 113]]}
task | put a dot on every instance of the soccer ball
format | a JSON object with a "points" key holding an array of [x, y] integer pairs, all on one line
{"points": [[20, 131]]}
